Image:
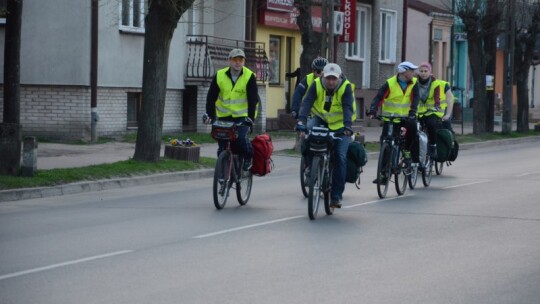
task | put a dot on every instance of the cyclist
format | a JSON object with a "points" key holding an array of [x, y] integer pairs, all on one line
{"points": [[429, 106], [331, 100], [398, 96], [317, 67], [233, 96]]}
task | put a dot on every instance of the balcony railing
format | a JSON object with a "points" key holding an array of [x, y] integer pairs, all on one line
{"points": [[207, 54]]}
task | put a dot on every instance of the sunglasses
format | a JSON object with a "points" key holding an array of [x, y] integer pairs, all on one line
{"points": [[317, 71]]}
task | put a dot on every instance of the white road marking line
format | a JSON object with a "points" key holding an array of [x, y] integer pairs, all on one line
{"points": [[377, 201], [246, 227], [29, 271], [468, 184], [528, 173]]}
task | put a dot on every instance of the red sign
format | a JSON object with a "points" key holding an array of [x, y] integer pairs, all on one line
{"points": [[280, 5], [348, 7], [288, 19]]}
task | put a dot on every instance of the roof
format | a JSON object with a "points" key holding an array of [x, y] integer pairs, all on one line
{"points": [[428, 8]]}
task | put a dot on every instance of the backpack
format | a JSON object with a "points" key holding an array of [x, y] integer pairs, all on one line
{"points": [[356, 158], [445, 144], [454, 152], [262, 153]]}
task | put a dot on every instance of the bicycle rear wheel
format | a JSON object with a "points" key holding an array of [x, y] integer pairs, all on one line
{"points": [[222, 179], [439, 167], [303, 178], [243, 186], [400, 178], [383, 170], [428, 172], [315, 185], [413, 177], [326, 192]]}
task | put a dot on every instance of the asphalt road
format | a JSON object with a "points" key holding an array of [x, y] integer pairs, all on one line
{"points": [[473, 236]]}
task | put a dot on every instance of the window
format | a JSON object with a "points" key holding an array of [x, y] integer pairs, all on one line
{"points": [[134, 104], [388, 37], [275, 59], [358, 50], [132, 15], [3, 11]]}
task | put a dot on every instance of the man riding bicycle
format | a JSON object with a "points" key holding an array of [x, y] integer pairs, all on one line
{"points": [[331, 101], [430, 112], [317, 66], [233, 96], [398, 97]]}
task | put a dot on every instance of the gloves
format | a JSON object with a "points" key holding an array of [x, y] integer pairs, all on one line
{"points": [[412, 115], [348, 131], [371, 113], [300, 127], [248, 122], [207, 119]]}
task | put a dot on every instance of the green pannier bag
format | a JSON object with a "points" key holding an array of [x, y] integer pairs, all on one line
{"points": [[445, 144], [356, 158]]}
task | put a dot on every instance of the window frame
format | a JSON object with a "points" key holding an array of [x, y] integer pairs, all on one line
{"points": [[361, 43], [130, 27], [387, 36], [136, 99]]}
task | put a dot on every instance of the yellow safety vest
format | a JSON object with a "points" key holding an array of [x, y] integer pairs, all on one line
{"points": [[444, 102], [334, 117], [232, 100], [398, 102], [430, 101]]}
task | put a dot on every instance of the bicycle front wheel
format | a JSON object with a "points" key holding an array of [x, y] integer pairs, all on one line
{"points": [[243, 186], [399, 175], [303, 178], [222, 179], [315, 186], [383, 170]]}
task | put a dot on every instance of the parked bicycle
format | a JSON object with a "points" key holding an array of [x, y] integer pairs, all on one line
{"points": [[320, 141], [394, 159], [228, 172]]}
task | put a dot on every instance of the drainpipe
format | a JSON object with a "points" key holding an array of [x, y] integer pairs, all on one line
{"points": [[94, 71], [404, 30]]}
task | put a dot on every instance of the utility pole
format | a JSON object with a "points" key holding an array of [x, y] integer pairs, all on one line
{"points": [[324, 19], [508, 91]]}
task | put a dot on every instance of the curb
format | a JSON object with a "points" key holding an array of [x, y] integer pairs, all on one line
{"points": [[99, 185], [87, 186]]}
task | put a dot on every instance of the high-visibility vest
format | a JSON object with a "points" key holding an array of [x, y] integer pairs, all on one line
{"points": [[232, 99], [398, 101], [430, 101], [310, 78], [444, 102], [333, 117]]}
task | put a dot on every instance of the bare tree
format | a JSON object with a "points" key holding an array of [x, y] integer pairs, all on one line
{"points": [[160, 23], [10, 129], [480, 18], [311, 40], [527, 32]]}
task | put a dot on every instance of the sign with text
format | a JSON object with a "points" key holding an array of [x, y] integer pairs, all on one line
{"points": [[348, 7], [288, 19], [280, 5]]}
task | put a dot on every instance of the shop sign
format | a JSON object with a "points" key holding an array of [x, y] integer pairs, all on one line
{"points": [[348, 7], [280, 5]]}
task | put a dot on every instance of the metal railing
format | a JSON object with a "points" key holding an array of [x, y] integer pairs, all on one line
{"points": [[207, 54]]}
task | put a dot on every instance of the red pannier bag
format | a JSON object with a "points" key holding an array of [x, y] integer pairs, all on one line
{"points": [[262, 154]]}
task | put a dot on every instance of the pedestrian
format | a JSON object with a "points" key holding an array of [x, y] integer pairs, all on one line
{"points": [[233, 96], [331, 101], [398, 97]]}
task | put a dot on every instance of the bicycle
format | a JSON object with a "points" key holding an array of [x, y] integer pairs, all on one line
{"points": [[394, 159], [228, 172], [320, 141]]}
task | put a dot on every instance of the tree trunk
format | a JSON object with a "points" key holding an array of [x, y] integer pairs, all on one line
{"points": [[10, 129], [478, 67], [311, 40], [160, 24]]}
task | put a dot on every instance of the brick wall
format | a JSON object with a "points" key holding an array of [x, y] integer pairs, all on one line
{"points": [[63, 112]]}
